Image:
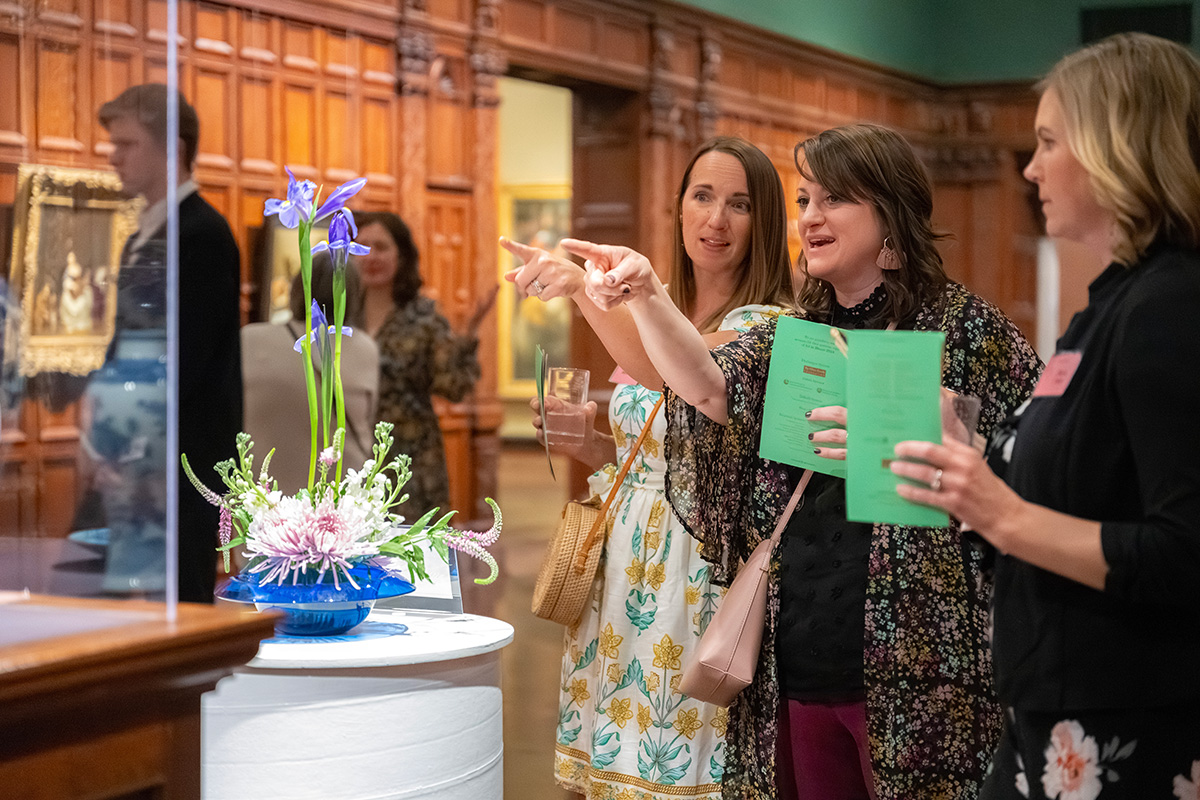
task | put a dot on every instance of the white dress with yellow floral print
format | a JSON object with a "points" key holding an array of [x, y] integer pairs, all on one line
{"points": [[624, 730]]}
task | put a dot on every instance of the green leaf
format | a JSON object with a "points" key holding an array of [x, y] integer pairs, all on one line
{"points": [[639, 619], [632, 673], [417, 527], [589, 655], [672, 776], [569, 736]]}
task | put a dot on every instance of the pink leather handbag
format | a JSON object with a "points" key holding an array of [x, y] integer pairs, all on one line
{"points": [[724, 662]]}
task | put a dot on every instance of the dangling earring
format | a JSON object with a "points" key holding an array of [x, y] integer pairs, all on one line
{"points": [[888, 258]]}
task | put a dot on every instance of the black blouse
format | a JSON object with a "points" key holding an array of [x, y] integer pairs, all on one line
{"points": [[1121, 445], [823, 569]]}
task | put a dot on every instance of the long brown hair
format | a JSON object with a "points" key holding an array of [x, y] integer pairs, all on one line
{"points": [[765, 275], [875, 165]]}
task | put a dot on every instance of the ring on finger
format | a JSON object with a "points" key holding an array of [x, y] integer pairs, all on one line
{"points": [[537, 287], [936, 483]]}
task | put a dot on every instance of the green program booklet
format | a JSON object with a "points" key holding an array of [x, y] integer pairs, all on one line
{"points": [[807, 371], [893, 385], [541, 368]]}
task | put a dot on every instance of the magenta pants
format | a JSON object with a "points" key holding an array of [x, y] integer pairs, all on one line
{"points": [[822, 752]]}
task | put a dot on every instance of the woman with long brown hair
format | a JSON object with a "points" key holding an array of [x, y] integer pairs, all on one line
{"points": [[623, 726], [874, 679]]}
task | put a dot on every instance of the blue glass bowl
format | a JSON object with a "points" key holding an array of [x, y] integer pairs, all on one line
{"points": [[315, 608]]}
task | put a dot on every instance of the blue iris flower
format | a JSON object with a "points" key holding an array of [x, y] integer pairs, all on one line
{"points": [[337, 199], [319, 323], [342, 233], [297, 207]]}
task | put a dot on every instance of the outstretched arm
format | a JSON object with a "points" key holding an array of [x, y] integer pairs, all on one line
{"points": [[558, 277], [619, 276]]}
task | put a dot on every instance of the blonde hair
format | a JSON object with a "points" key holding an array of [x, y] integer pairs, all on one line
{"points": [[1132, 111], [765, 275]]}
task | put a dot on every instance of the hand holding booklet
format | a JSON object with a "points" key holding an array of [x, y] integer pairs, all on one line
{"points": [[807, 371], [890, 385]]}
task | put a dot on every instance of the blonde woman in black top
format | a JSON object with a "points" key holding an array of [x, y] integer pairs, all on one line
{"points": [[1097, 519]]}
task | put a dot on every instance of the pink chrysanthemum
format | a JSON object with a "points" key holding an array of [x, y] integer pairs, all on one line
{"points": [[295, 536]]}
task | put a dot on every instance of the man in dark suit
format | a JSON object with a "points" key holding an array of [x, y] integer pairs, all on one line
{"points": [[210, 384]]}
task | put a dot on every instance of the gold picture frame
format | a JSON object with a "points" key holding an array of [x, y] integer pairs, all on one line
{"points": [[276, 264], [531, 214], [69, 228]]}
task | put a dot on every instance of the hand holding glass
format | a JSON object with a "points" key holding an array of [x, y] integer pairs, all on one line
{"points": [[960, 418], [566, 397]]}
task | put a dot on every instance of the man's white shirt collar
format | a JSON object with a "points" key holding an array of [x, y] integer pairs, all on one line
{"points": [[155, 216]]}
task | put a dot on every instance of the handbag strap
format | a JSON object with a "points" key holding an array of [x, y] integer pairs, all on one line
{"points": [[791, 506], [581, 560]]}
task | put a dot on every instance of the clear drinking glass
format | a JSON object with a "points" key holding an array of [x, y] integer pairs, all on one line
{"points": [[960, 417], [566, 395]]}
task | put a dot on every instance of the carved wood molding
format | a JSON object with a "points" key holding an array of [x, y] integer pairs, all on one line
{"points": [[486, 58], [962, 162], [707, 105], [358, 16], [665, 111], [415, 52]]}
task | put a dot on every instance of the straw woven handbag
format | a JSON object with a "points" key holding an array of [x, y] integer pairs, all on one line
{"points": [[569, 567]]}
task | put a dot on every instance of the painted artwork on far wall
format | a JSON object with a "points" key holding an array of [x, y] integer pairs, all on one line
{"points": [[276, 264], [539, 215], [69, 228]]}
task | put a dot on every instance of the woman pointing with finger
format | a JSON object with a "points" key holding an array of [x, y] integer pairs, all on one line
{"points": [[623, 725], [874, 678]]}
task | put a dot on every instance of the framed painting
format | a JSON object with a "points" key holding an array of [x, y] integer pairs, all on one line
{"points": [[540, 215], [276, 263], [69, 228]]}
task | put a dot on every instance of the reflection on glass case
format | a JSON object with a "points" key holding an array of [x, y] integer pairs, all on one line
{"points": [[69, 228]]}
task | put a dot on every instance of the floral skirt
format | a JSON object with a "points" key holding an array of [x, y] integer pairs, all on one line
{"points": [[1137, 754], [624, 729]]}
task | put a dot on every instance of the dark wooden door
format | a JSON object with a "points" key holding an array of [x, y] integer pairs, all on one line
{"points": [[604, 208]]}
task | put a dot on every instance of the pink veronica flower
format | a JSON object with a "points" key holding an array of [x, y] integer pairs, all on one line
{"points": [[473, 543]]}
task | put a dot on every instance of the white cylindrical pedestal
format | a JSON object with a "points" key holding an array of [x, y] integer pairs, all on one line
{"points": [[407, 705]]}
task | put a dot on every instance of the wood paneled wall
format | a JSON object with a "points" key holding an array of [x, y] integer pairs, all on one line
{"points": [[404, 92]]}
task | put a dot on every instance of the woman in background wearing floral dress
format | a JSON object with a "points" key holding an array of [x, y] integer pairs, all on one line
{"points": [[624, 729], [420, 355], [874, 679]]}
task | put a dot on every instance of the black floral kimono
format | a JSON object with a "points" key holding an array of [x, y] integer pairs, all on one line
{"points": [[932, 717], [420, 355]]}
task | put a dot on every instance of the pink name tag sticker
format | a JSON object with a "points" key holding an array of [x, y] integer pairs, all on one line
{"points": [[1058, 374], [620, 376]]}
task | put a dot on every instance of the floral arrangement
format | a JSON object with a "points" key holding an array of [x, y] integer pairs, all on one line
{"points": [[337, 522]]}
